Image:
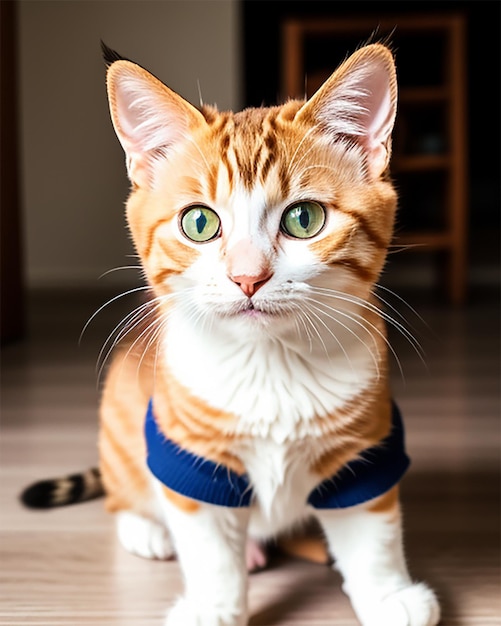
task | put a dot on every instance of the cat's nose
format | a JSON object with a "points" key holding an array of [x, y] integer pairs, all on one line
{"points": [[248, 266], [250, 284]]}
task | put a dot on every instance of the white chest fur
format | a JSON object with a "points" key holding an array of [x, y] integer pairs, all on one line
{"points": [[278, 389], [281, 484], [274, 386]]}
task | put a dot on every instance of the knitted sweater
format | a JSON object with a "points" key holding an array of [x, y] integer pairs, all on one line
{"points": [[376, 471]]}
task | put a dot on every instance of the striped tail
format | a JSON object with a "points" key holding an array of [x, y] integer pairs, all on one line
{"points": [[65, 490]]}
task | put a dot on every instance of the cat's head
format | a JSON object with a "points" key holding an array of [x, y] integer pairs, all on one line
{"points": [[246, 216]]}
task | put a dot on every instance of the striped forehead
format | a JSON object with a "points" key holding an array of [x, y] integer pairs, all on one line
{"points": [[251, 147]]}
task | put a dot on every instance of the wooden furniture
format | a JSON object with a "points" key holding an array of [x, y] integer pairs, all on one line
{"points": [[429, 161]]}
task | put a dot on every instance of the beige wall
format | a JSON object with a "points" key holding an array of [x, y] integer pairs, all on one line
{"points": [[74, 182]]}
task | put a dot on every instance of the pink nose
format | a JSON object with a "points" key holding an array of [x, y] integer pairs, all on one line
{"points": [[250, 284]]}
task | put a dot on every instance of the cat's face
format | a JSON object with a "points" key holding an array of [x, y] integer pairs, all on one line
{"points": [[251, 216]]}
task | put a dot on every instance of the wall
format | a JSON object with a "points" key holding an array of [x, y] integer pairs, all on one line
{"points": [[74, 182]]}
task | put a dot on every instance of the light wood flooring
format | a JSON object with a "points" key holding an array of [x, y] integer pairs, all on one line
{"points": [[65, 566]]}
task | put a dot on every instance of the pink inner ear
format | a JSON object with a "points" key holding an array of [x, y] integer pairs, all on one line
{"points": [[359, 100], [379, 124], [148, 117], [380, 113], [148, 121]]}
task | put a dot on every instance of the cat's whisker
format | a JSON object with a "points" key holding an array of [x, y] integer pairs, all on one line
{"points": [[334, 336], [132, 320], [374, 309], [319, 166], [128, 325], [315, 329], [199, 150], [402, 301], [292, 163], [163, 321], [149, 331], [299, 319], [122, 267], [321, 311], [102, 361], [103, 306], [123, 328], [195, 313], [155, 338], [395, 248], [383, 315], [375, 360], [362, 321]]}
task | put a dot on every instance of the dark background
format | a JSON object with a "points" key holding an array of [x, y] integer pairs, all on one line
{"points": [[262, 23]]}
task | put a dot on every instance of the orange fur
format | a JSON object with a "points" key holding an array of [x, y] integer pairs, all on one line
{"points": [[276, 148], [181, 502], [387, 503]]}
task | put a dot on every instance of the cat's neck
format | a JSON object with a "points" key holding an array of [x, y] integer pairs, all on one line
{"points": [[277, 381]]}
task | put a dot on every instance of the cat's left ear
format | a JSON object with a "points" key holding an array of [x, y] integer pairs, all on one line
{"points": [[150, 119], [359, 101]]}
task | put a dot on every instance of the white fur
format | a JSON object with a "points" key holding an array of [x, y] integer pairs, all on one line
{"points": [[369, 554], [210, 544], [274, 405], [220, 360], [143, 537], [271, 383], [274, 372]]}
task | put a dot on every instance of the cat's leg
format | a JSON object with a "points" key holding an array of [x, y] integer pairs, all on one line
{"points": [[366, 542], [143, 537], [210, 543], [256, 556]]}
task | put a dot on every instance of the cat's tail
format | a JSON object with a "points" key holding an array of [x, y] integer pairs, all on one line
{"points": [[46, 494]]}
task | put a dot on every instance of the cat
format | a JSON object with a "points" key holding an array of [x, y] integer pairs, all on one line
{"points": [[255, 392]]}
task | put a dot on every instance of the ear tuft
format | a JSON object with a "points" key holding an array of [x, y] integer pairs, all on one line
{"points": [[109, 55], [359, 101]]}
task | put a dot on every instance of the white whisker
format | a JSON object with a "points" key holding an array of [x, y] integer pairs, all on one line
{"points": [[333, 335], [126, 326], [155, 337], [374, 309], [400, 299], [316, 331], [350, 330], [194, 143], [305, 326], [120, 295], [149, 331], [293, 158], [117, 269]]}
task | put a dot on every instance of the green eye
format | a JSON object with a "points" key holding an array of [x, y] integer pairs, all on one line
{"points": [[303, 220], [200, 224]]}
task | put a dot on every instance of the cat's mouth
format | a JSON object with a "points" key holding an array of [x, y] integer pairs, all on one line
{"points": [[250, 310], [258, 310], [261, 309]]}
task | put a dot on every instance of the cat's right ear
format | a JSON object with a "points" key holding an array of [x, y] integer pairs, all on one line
{"points": [[148, 117]]}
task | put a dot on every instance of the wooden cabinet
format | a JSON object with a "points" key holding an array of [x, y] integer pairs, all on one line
{"points": [[429, 146]]}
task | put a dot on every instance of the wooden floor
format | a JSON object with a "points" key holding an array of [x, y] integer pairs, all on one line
{"points": [[65, 566]]}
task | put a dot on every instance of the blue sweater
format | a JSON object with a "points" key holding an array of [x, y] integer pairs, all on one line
{"points": [[377, 470]]}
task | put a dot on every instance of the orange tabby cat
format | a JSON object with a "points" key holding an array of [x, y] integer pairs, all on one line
{"points": [[255, 393]]}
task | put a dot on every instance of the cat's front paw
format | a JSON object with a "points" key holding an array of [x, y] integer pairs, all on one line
{"points": [[415, 605], [185, 613], [143, 537]]}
